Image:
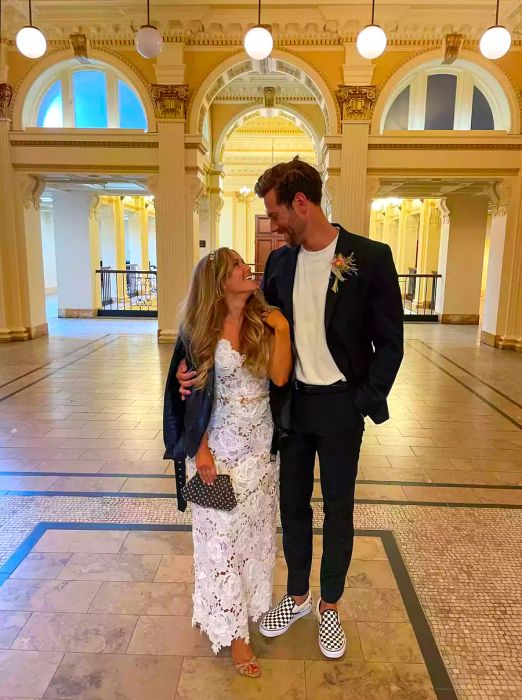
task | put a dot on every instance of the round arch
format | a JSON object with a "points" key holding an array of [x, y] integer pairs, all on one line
{"points": [[252, 112], [36, 81], [281, 62], [493, 81]]}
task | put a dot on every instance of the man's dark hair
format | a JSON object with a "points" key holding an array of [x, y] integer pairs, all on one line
{"points": [[287, 179]]}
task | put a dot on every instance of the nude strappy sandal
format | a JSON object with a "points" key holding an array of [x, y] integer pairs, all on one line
{"points": [[250, 669]]}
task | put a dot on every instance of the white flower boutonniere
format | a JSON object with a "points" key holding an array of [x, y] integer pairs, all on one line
{"points": [[342, 266]]}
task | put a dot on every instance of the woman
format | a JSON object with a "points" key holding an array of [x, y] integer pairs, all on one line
{"points": [[236, 344]]}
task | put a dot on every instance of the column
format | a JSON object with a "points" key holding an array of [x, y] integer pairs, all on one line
{"points": [[144, 233], [74, 264], [119, 230], [11, 323], [95, 246], [240, 231], [174, 244], [461, 259], [357, 102], [331, 162], [407, 243], [29, 234], [22, 285], [502, 323], [216, 203]]}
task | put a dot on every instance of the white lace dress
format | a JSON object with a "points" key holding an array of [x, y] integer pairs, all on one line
{"points": [[234, 551]]}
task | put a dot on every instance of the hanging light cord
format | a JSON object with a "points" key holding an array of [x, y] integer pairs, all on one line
{"points": [[373, 11], [496, 16], [148, 13], [259, 13], [30, 14]]}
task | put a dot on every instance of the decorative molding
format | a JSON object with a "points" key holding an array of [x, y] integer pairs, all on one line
{"points": [[6, 94], [430, 146], [89, 144], [32, 188], [509, 343], [357, 101], [452, 45], [170, 101], [79, 46]]}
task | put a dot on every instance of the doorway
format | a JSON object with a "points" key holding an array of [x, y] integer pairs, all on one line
{"points": [[266, 242]]}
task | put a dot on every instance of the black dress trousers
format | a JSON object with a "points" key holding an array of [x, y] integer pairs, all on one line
{"points": [[329, 425]]}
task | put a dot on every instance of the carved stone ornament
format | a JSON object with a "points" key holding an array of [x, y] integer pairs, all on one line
{"points": [[32, 188], [6, 93], [170, 101], [79, 46], [357, 101], [451, 48], [500, 196]]}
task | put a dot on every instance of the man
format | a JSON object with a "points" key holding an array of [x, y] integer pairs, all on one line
{"points": [[340, 294]]}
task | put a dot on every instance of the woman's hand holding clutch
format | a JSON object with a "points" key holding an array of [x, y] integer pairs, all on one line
{"points": [[205, 465]]}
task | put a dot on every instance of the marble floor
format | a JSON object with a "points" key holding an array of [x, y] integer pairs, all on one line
{"points": [[95, 560]]}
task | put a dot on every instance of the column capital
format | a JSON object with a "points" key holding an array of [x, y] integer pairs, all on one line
{"points": [[6, 94], [357, 102], [170, 101]]}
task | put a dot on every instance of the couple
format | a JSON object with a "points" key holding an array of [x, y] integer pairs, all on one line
{"points": [[313, 353]]}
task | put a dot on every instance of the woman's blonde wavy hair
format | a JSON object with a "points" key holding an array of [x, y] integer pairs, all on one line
{"points": [[203, 315]]}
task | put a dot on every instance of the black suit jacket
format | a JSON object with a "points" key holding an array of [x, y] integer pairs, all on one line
{"points": [[363, 321]]}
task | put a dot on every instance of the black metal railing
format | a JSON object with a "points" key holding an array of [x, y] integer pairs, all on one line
{"points": [[129, 292], [419, 296]]}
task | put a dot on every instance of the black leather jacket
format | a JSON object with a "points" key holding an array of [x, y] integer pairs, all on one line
{"points": [[184, 422]]}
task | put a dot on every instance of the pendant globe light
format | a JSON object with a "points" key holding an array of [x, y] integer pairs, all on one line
{"points": [[258, 41], [148, 39], [30, 40], [496, 41], [372, 40]]}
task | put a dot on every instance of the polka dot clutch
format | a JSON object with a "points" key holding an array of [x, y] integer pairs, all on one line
{"points": [[219, 495]]}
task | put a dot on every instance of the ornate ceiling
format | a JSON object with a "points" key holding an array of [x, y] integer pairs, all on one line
{"points": [[262, 141], [221, 22]]}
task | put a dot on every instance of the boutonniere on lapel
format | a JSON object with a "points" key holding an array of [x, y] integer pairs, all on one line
{"points": [[342, 266]]}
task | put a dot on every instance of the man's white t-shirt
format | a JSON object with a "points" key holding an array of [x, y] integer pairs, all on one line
{"points": [[315, 364]]}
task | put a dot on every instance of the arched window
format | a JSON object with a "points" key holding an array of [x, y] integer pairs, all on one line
{"points": [[93, 96], [462, 96]]}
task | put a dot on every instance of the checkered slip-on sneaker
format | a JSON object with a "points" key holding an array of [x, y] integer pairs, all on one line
{"points": [[332, 640], [285, 613]]}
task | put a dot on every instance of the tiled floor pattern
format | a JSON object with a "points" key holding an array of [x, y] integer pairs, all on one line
{"points": [[116, 606], [82, 415]]}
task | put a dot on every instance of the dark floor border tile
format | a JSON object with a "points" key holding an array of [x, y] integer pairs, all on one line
{"points": [[367, 501], [505, 415], [56, 359], [471, 374], [59, 369], [440, 679], [383, 482]]}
